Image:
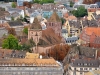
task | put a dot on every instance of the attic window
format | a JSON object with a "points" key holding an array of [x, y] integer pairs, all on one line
{"points": [[85, 64], [78, 63]]}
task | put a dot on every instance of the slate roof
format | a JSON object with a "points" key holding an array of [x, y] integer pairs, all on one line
{"points": [[10, 9], [75, 24], [85, 63], [92, 23], [72, 39], [64, 31], [15, 23], [7, 53], [35, 14], [15, 14], [83, 52], [98, 3], [94, 6]]}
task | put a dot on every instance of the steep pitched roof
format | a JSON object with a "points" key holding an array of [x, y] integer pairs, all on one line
{"points": [[92, 30], [15, 23], [36, 24], [49, 38], [54, 18]]}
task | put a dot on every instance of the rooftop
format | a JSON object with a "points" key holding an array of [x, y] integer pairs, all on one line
{"points": [[49, 38], [29, 62], [35, 24], [85, 63], [92, 30], [54, 18], [15, 23]]}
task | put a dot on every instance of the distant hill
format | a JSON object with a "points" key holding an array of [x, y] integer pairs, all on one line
{"points": [[90, 1]]}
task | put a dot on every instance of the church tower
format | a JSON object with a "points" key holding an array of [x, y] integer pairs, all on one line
{"points": [[54, 22], [35, 31]]}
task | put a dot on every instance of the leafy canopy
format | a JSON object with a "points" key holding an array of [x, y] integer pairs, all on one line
{"points": [[11, 42], [80, 12], [71, 4], [13, 5], [25, 30], [43, 1]]}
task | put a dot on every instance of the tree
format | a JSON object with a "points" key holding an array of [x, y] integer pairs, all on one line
{"points": [[59, 51], [80, 12], [11, 42], [13, 5], [27, 4], [43, 1], [12, 18], [71, 4], [28, 45], [63, 20], [25, 30], [12, 31]]}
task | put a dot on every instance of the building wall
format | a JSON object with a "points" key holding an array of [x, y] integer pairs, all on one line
{"points": [[31, 70], [35, 35], [80, 70], [56, 26]]}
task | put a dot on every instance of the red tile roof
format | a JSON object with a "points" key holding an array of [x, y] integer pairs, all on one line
{"points": [[92, 30]]}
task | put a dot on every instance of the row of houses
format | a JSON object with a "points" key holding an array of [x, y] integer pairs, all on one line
{"points": [[81, 60]]}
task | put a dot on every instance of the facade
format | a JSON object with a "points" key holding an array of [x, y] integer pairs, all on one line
{"points": [[93, 72], [35, 32], [30, 67], [80, 66], [91, 36], [74, 27]]}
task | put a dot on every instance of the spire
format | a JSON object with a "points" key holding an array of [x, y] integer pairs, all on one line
{"points": [[54, 18], [35, 24]]}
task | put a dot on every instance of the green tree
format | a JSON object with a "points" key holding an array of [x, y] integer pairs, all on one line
{"points": [[80, 12], [13, 5], [12, 18], [28, 45], [11, 42], [25, 30], [63, 20], [36, 1], [43, 1], [71, 4]]}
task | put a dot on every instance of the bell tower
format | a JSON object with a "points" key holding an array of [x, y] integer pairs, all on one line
{"points": [[35, 32]]}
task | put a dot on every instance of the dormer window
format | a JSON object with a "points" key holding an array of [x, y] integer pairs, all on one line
{"points": [[78, 63], [85, 64]]}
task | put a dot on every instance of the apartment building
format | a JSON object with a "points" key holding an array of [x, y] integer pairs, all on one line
{"points": [[82, 66], [24, 66]]}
